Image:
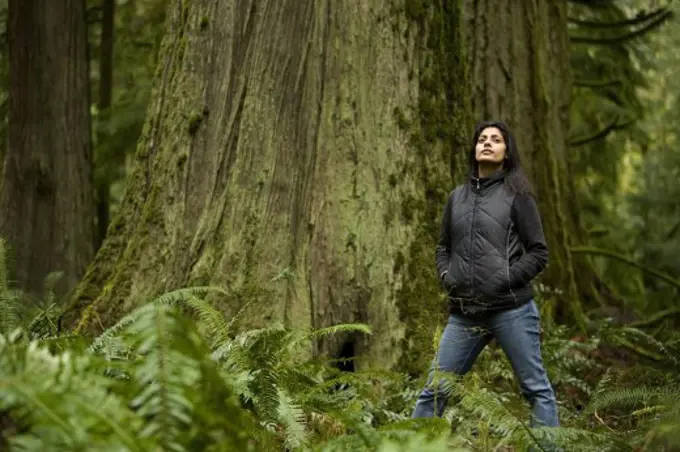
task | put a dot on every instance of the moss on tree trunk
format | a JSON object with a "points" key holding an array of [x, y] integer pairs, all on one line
{"points": [[439, 125]]}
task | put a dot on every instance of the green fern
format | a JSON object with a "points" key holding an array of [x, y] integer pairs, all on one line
{"points": [[166, 376], [641, 343], [175, 375], [630, 397], [293, 420], [213, 322], [62, 402], [168, 370]]}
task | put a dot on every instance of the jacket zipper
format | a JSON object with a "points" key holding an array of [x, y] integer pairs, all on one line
{"points": [[472, 242], [507, 263]]}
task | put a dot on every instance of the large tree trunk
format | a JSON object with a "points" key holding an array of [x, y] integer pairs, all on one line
{"points": [[276, 161], [298, 152], [46, 204], [520, 68]]}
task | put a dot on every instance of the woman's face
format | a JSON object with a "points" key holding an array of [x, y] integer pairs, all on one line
{"points": [[490, 148]]}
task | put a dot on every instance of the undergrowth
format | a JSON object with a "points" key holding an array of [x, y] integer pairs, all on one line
{"points": [[177, 375]]}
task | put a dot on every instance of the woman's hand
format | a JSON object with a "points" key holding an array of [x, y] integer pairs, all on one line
{"points": [[446, 283]]}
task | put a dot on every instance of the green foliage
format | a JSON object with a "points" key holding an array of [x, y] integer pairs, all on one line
{"points": [[137, 32], [606, 106], [175, 374], [624, 157]]}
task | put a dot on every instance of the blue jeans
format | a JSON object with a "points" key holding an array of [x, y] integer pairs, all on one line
{"points": [[517, 331]]}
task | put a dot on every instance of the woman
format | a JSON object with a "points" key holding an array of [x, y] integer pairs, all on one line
{"points": [[490, 248]]}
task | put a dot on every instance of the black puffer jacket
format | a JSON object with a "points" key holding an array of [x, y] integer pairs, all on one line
{"points": [[491, 246]]}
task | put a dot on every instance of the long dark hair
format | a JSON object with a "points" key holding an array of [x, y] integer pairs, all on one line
{"points": [[515, 178]]}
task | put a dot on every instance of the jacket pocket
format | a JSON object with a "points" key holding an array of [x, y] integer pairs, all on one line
{"points": [[496, 285]]}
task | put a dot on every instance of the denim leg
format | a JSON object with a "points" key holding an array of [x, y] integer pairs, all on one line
{"points": [[518, 333], [461, 343]]}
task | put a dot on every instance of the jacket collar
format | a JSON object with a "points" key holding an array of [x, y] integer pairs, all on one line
{"points": [[478, 184]]}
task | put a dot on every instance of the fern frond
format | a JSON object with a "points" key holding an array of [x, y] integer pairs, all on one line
{"points": [[650, 410], [568, 437], [217, 327], [302, 336], [102, 342], [665, 432], [177, 296], [167, 376], [45, 323], [488, 407], [64, 402], [642, 343], [405, 440], [632, 397], [292, 417]]}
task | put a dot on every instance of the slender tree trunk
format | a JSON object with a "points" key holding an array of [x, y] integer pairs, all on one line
{"points": [[273, 163], [46, 205], [105, 95], [520, 69], [4, 97]]}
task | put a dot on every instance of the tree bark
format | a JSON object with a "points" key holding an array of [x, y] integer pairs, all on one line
{"points": [[520, 68], [46, 202], [271, 163]]}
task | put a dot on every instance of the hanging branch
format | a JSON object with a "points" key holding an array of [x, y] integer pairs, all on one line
{"points": [[673, 231], [597, 83], [620, 257], [626, 36], [637, 20], [593, 3], [609, 128]]}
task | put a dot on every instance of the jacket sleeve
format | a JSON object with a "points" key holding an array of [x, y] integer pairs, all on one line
{"points": [[443, 249], [527, 220]]}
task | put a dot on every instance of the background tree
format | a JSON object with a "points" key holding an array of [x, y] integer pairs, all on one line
{"points": [[46, 200], [124, 38], [633, 213], [623, 89], [4, 94]]}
